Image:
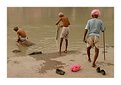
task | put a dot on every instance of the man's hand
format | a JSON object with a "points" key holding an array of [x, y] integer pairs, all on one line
{"points": [[60, 25], [56, 24], [84, 40], [18, 40]]}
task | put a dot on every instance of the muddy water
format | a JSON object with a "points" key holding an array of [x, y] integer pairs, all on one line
{"points": [[39, 23]]}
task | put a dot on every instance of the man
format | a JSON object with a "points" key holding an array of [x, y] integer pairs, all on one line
{"points": [[93, 27], [65, 30], [21, 35]]}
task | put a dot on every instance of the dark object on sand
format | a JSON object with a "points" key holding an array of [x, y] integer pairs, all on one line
{"points": [[61, 72], [103, 72], [34, 53], [16, 51], [98, 69]]}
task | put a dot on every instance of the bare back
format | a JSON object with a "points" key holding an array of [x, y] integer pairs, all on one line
{"points": [[65, 21], [21, 33]]}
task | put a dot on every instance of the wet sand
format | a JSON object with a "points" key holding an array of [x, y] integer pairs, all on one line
{"points": [[45, 65]]}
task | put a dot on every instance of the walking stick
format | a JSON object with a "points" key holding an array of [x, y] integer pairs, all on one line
{"points": [[57, 34], [104, 43]]}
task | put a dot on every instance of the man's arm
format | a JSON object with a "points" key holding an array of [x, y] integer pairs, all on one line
{"points": [[86, 30], [85, 33], [68, 23], [58, 22], [18, 37]]}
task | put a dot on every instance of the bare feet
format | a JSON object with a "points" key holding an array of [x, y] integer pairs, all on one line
{"points": [[65, 51], [93, 65], [89, 60]]}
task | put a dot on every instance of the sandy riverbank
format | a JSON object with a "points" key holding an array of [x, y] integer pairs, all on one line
{"points": [[44, 65]]}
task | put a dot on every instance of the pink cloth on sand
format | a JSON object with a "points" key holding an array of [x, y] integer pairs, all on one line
{"points": [[95, 12], [75, 68]]}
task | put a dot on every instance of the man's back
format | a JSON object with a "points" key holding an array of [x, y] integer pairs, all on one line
{"points": [[21, 33], [65, 21], [94, 26]]}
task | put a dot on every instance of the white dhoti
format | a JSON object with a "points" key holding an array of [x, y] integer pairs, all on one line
{"points": [[64, 33]]}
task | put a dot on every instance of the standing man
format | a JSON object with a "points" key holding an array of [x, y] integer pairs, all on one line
{"points": [[93, 27], [65, 30]]}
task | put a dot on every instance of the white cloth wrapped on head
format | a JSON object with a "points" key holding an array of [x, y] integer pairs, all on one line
{"points": [[60, 14]]}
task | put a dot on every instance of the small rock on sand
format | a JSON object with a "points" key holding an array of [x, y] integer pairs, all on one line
{"points": [[16, 51], [34, 53]]}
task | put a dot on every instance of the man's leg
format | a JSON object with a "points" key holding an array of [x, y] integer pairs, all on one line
{"points": [[88, 53], [89, 46], [61, 41], [66, 45], [96, 56]]}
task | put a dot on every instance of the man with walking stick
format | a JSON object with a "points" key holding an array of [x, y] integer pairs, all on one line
{"points": [[93, 28]]}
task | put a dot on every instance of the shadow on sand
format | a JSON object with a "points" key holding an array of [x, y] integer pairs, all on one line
{"points": [[50, 63]]}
